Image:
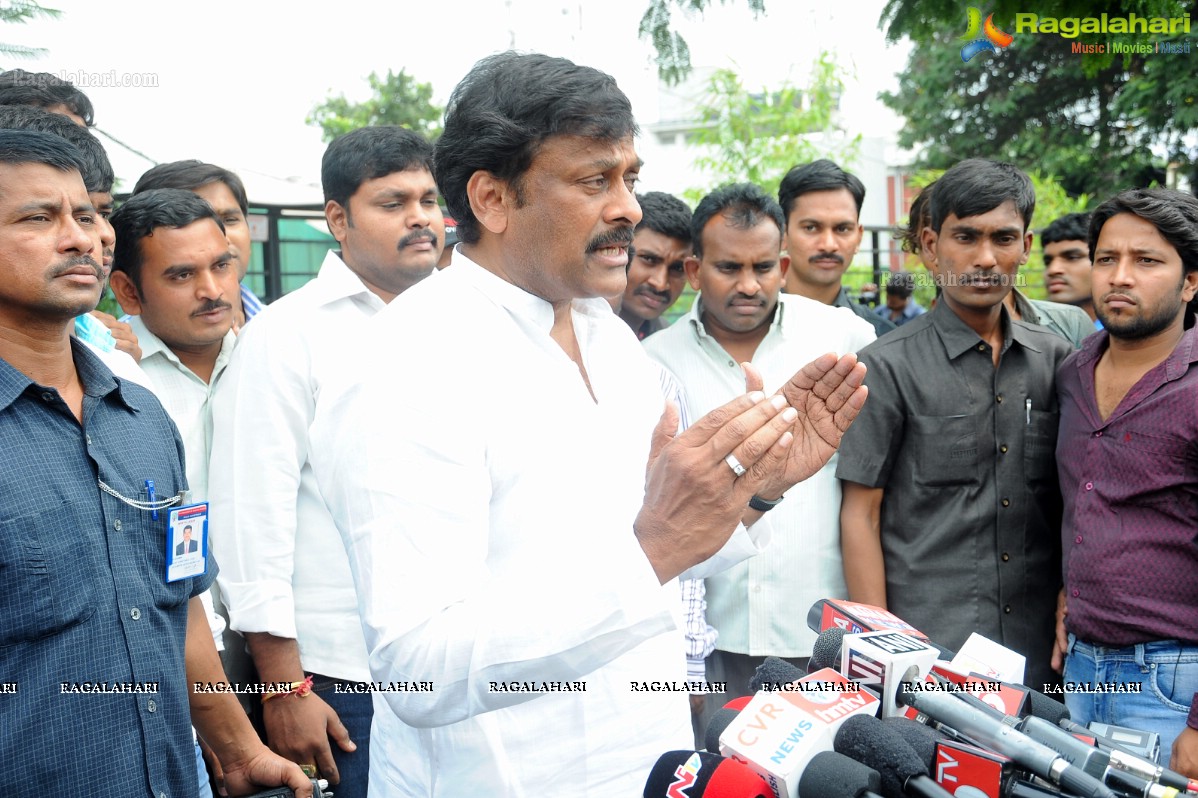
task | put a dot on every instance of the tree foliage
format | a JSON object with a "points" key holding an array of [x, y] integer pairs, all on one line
{"points": [[1099, 123], [396, 99], [19, 12], [756, 137], [673, 55]]}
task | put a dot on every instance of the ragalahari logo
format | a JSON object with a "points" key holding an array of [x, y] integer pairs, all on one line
{"points": [[983, 37]]}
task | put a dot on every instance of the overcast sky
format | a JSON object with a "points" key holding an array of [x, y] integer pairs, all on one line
{"points": [[235, 80]]}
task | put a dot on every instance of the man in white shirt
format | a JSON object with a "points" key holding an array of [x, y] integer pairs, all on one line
{"points": [[175, 274], [758, 606], [284, 571], [513, 535]]}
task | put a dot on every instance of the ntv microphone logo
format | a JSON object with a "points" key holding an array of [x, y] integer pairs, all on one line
{"points": [[983, 38]]}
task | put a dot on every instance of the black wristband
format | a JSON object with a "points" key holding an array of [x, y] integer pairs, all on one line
{"points": [[765, 505]]}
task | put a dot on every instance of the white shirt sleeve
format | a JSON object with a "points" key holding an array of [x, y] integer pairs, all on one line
{"points": [[258, 450], [471, 570]]}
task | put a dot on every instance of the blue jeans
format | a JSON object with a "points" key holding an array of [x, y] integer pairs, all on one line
{"points": [[355, 711], [1166, 672]]}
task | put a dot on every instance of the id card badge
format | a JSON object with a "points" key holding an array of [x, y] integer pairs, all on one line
{"points": [[187, 542]]}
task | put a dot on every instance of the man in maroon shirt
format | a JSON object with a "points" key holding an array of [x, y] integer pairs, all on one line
{"points": [[1127, 456]]}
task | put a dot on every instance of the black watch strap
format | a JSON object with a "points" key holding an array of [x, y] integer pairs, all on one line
{"points": [[765, 505]]}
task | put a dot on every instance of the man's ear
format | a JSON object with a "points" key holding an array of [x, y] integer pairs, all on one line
{"points": [[927, 245], [125, 292], [491, 200], [1027, 247], [337, 218], [784, 265], [691, 267]]}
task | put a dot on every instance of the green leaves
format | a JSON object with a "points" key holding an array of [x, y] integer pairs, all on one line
{"points": [[396, 99]]}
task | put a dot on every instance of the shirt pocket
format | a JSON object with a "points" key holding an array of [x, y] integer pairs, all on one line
{"points": [[1040, 445], [1155, 469], [946, 449], [46, 580]]}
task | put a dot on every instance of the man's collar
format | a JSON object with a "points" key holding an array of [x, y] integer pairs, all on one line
{"points": [[96, 378], [694, 316], [337, 281], [959, 337], [151, 346], [515, 299], [1185, 353]]}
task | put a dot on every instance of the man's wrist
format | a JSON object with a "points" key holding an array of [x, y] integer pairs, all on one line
{"points": [[1192, 719], [763, 505]]}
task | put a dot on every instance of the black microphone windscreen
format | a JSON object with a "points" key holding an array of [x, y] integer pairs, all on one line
{"points": [[1046, 707], [826, 651], [715, 727], [772, 672], [833, 775], [920, 737], [867, 740]]}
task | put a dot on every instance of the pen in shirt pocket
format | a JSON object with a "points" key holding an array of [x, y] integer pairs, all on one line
{"points": [[1027, 405], [153, 498]]}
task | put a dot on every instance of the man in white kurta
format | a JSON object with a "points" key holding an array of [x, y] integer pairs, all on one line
{"points": [[484, 457]]}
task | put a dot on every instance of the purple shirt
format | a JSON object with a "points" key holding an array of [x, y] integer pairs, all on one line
{"points": [[1130, 486]]}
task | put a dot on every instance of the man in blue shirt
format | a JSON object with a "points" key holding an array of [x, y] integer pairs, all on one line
{"points": [[98, 643]]}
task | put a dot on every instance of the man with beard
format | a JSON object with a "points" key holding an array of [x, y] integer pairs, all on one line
{"points": [[655, 272], [285, 578], [1128, 455], [822, 203], [951, 509]]}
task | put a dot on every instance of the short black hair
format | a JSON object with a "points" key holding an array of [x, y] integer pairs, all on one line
{"points": [[191, 175], [821, 175], [369, 153], [43, 90], [665, 214], [506, 108], [919, 217], [1173, 213], [97, 169], [1070, 227], [187, 528], [976, 186], [744, 205], [900, 283], [35, 146], [143, 213]]}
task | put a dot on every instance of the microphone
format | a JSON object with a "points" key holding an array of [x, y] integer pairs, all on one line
{"points": [[1125, 760], [833, 775], [965, 770], [694, 774], [825, 653], [1091, 760], [870, 742], [779, 733], [856, 618], [715, 727], [772, 673], [920, 737], [881, 658], [1000, 737]]}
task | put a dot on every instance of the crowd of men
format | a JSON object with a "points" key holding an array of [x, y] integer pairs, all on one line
{"points": [[436, 525]]}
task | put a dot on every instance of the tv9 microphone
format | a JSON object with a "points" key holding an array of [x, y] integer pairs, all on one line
{"points": [[694, 774], [873, 744], [998, 736], [856, 618], [833, 775]]}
